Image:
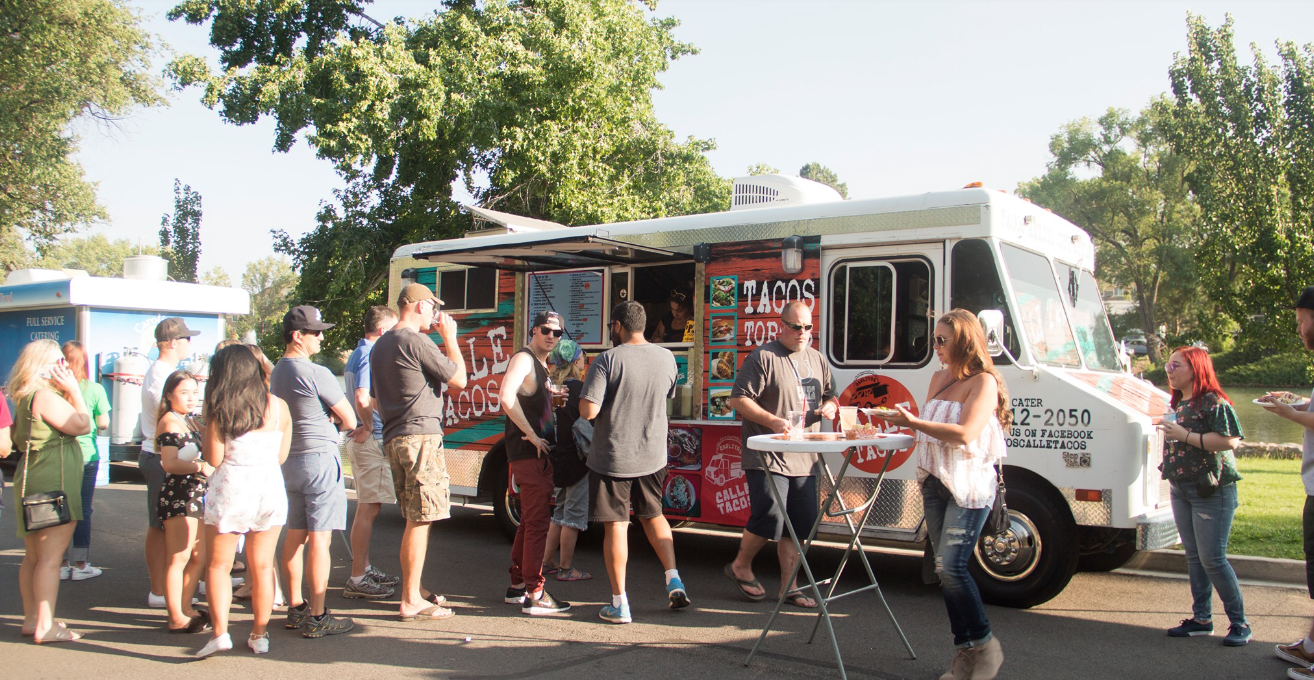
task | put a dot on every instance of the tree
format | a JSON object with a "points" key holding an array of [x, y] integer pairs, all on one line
{"points": [[820, 173], [550, 101], [180, 234], [61, 61], [96, 254], [1248, 132], [271, 283], [217, 276], [1117, 178], [762, 169]]}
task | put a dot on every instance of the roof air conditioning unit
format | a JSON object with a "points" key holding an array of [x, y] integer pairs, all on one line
{"points": [[769, 191]]}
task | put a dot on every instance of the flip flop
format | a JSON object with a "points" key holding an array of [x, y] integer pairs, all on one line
{"points": [[435, 598], [743, 585], [433, 613], [573, 574], [62, 634], [797, 598]]}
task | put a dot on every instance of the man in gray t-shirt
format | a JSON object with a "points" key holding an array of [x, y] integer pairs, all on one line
{"points": [[625, 394], [312, 474], [784, 375]]}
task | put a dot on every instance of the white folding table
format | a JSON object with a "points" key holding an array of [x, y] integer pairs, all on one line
{"points": [[834, 506]]}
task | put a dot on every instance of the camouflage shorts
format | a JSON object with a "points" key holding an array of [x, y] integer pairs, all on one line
{"points": [[419, 474]]}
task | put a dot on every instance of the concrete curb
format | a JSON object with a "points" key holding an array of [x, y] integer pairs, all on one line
{"points": [[1247, 568]]}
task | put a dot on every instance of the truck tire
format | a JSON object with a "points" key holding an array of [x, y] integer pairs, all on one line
{"points": [[1034, 560], [506, 507], [1118, 551]]}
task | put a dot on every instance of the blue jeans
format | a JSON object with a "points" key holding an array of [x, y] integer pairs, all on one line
{"points": [[1204, 525], [81, 546], [954, 532]]}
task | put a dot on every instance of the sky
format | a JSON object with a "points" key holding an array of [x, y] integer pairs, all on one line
{"points": [[896, 98]]}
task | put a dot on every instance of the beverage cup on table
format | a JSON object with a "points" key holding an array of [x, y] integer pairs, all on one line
{"points": [[796, 424], [848, 416]]}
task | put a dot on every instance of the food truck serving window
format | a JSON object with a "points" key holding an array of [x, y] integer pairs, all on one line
{"points": [[465, 289], [1041, 309]]}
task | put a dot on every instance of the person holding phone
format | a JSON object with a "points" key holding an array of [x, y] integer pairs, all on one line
{"points": [[49, 415]]}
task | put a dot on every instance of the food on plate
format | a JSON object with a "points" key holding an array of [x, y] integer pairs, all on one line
{"points": [[723, 329], [880, 412], [718, 403], [679, 494], [1288, 398], [724, 368]]}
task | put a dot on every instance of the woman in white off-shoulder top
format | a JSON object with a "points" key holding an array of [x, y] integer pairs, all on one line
{"points": [[960, 438]]}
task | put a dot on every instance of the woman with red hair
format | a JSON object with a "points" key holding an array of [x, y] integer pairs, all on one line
{"points": [[1199, 464], [77, 565]]}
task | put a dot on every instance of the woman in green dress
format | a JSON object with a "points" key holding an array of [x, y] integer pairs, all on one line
{"points": [[49, 415]]}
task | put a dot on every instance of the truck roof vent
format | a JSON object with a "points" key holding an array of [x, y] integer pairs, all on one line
{"points": [[768, 191]]}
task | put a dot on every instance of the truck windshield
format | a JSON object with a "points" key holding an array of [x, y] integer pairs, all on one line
{"points": [[1094, 336], [1040, 308]]}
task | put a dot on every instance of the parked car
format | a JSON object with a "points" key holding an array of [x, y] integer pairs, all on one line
{"points": [[1135, 346]]}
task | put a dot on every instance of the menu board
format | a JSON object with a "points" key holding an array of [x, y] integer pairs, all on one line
{"points": [[576, 295]]}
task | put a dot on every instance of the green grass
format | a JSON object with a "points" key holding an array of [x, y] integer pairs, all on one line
{"points": [[1267, 523]]}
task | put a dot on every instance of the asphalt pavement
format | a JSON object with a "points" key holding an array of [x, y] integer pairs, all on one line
{"points": [[1103, 626]]}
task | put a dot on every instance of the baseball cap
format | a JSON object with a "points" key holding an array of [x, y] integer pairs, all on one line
{"points": [[416, 292], [1306, 300], [544, 317], [304, 318], [173, 328]]}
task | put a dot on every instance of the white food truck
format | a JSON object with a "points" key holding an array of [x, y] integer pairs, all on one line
{"points": [[1083, 483]]}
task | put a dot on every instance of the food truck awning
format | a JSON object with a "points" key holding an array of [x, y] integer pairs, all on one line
{"points": [[578, 248]]}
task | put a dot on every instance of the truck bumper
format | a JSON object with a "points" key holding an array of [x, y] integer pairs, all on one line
{"points": [[1156, 532]]}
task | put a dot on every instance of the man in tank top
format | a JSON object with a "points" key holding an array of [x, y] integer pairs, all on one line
{"points": [[530, 435]]}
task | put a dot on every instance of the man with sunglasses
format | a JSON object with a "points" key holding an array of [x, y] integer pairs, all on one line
{"points": [[312, 474], [530, 435], [784, 375]]}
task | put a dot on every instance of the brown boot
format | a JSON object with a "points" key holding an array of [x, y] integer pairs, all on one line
{"points": [[961, 668], [989, 657]]}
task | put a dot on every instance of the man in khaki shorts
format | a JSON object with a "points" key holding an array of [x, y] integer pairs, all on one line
{"points": [[409, 371], [369, 467]]}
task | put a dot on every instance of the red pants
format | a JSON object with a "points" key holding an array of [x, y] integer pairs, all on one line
{"points": [[534, 476]]}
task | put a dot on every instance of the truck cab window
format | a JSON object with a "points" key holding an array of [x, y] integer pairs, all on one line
{"points": [[1094, 335], [879, 312], [1041, 307], [975, 286]]}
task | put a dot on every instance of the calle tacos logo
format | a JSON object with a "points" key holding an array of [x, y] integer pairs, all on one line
{"points": [[870, 390]]}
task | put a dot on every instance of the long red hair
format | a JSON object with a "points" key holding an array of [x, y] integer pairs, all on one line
{"points": [[76, 356], [1202, 375]]}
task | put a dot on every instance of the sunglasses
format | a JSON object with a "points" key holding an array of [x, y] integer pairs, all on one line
{"points": [[677, 296], [799, 327], [941, 341], [1172, 366], [314, 333], [557, 332]]}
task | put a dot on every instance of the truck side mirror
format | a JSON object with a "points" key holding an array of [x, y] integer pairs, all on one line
{"points": [[992, 322]]}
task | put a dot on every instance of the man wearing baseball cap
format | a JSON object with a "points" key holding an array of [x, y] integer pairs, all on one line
{"points": [[409, 372], [173, 339], [1301, 651], [316, 496]]}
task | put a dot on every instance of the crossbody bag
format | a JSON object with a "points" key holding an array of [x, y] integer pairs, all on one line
{"points": [[50, 508]]}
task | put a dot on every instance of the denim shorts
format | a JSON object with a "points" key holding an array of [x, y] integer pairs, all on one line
{"points": [[316, 495], [573, 505]]}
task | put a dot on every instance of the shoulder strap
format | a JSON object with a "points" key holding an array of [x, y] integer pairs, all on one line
{"points": [[946, 386]]}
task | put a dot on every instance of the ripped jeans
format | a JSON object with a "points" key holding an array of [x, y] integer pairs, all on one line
{"points": [[954, 531], [1204, 525]]}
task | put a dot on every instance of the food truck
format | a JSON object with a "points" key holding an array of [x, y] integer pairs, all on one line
{"points": [[114, 319], [1083, 453]]}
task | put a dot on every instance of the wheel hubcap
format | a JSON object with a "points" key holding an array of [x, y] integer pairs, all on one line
{"points": [[1014, 554]]}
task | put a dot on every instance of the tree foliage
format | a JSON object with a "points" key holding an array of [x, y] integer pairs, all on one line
{"points": [[762, 169], [820, 173], [1248, 132], [180, 233], [61, 61], [547, 102], [271, 282], [1117, 178], [217, 276], [96, 254]]}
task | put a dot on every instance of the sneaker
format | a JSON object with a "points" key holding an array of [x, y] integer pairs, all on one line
{"points": [[382, 578], [1191, 628], [1295, 653], [619, 614], [156, 601], [515, 595], [325, 624], [987, 660], [297, 615], [543, 605], [221, 643], [367, 589], [1300, 673], [64, 572], [1237, 635], [675, 591], [259, 643], [82, 574]]}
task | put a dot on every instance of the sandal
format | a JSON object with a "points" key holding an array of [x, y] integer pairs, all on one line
{"points": [[62, 634], [573, 574], [745, 585], [554, 569], [239, 567], [433, 613], [435, 598], [797, 598]]}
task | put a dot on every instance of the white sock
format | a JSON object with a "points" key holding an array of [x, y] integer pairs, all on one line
{"points": [[357, 580], [619, 601], [1307, 645], [670, 574]]}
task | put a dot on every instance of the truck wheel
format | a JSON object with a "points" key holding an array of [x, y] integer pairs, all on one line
{"points": [[1113, 554], [506, 507], [1034, 560]]}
